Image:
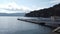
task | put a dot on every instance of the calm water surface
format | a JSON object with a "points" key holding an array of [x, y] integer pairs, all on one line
{"points": [[10, 25]]}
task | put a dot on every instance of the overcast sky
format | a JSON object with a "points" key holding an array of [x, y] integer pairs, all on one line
{"points": [[15, 6]]}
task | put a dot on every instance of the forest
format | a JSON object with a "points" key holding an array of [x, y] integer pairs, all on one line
{"points": [[46, 12]]}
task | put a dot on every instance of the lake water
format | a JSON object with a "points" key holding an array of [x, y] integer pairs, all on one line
{"points": [[10, 25]]}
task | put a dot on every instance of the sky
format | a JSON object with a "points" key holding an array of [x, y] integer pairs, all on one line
{"points": [[25, 6]]}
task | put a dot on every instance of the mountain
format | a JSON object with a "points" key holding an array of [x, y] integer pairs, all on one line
{"points": [[46, 12], [12, 14]]}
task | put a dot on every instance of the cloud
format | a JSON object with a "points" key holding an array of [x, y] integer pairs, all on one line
{"points": [[14, 7], [55, 1]]}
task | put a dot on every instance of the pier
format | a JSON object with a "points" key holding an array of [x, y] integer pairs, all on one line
{"points": [[40, 22]]}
